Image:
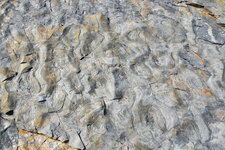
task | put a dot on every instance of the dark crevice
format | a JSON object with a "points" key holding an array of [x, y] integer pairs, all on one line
{"points": [[78, 133], [221, 24], [42, 101], [104, 108], [195, 5], [10, 113], [215, 43], [11, 77], [27, 70]]}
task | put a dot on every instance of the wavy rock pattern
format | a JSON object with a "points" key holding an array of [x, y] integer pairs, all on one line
{"points": [[98, 74]]}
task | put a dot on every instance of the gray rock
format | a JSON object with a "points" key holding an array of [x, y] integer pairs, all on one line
{"points": [[101, 74]]}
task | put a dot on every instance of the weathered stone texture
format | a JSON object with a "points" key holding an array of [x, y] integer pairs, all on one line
{"points": [[112, 74]]}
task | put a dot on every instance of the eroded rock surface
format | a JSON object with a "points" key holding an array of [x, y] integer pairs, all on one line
{"points": [[117, 74]]}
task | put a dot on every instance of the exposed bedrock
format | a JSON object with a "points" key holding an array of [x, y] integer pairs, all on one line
{"points": [[112, 74]]}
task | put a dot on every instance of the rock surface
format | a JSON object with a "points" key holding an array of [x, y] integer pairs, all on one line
{"points": [[112, 74]]}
